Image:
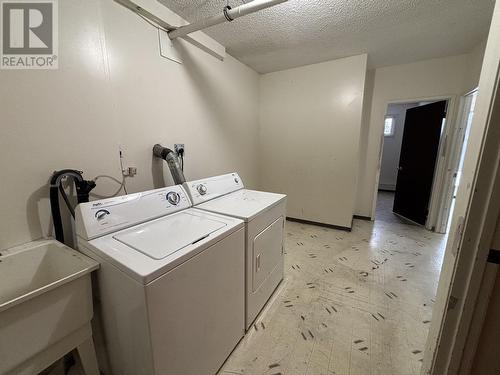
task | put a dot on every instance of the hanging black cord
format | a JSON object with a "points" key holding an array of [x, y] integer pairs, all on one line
{"points": [[66, 200]]}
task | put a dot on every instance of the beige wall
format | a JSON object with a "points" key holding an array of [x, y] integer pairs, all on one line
{"points": [[487, 360], [481, 352], [310, 120], [113, 88], [474, 65], [426, 79]]}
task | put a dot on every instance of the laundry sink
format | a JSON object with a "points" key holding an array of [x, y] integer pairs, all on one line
{"points": [[45, 305]]}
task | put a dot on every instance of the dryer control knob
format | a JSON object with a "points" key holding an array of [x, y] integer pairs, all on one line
{"points": [[202, 189], [173, 198]]}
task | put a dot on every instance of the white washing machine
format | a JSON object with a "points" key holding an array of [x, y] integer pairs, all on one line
{"points": [[171, 282], [264, 215]]}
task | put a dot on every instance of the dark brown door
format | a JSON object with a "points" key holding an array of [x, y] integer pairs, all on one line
{"points": [[417, 162]]}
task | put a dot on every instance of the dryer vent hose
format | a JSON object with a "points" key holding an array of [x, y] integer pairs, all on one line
{"points": [[172, 161]]}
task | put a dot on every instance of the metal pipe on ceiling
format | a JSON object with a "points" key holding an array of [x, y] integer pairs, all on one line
{"points": [[228, 14]]}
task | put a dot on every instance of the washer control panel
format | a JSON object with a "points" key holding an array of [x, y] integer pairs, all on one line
{"points": [[101, 214], [173, 198], [213, 187], [97, 218]]}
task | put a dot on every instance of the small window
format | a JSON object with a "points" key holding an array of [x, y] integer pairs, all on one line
{"points": [[389, 126]]}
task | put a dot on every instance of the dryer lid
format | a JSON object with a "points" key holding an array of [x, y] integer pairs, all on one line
{"points": [[160, 238], [244, 204]]}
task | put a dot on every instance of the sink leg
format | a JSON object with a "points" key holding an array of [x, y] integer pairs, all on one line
{"points": [[88, 359]]}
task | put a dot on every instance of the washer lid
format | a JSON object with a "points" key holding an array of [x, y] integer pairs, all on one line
{"points": [[162, 237]]}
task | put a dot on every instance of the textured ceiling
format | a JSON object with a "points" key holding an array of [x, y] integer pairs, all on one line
{"points": [[301, 32]]}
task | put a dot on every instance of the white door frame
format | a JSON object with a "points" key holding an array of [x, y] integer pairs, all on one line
{"points": [[444, 155], [441, 161], [473, 223], [455, 145]]}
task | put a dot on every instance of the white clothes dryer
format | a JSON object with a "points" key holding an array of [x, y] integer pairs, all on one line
{"points": [[264, 215]]}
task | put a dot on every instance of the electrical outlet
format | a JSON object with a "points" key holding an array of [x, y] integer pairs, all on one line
{"points": [[131, 171], [179, 148]]}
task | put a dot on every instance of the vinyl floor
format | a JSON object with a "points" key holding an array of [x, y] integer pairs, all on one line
{"points": [[352, 303]]}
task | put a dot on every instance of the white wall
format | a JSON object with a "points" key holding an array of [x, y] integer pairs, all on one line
{"points": [[409, 82], [310, 119], [392, 147], [474, 65], [486, 360], [113, 88]]}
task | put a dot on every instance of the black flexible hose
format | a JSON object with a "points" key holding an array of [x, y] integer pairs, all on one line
{"points": [[83, 189], [56, 213]]}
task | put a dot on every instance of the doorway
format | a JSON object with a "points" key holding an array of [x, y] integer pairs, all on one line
{"points": [[411, 142]]}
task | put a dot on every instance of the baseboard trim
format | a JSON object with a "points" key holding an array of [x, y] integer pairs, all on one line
{"points": [[360, 217], [332, 226]]}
